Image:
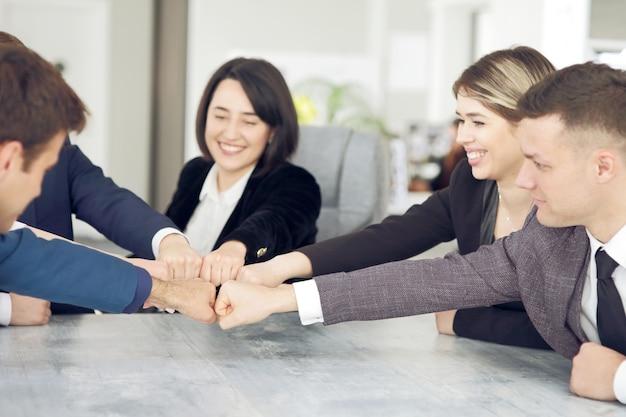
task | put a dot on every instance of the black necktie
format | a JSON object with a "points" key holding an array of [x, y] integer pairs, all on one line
{"points": [[611, 317]]}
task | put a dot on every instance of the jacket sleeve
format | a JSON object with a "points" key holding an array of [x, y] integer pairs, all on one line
{"points": [[62, 272], [116, 212], [422, 227], [277, 214]]}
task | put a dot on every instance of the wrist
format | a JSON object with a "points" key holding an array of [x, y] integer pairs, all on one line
{"points": [[235, 248], [285, 299], [293, 265], [172, 239]]}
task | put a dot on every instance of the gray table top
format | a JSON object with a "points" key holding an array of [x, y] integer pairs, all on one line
{"points": [[169, 365]]}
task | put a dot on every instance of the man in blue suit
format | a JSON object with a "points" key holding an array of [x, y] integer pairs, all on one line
{"points": [[76, 186], [37, 110]]}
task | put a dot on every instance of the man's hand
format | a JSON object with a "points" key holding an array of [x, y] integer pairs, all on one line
{"points": [[223, 263], [277, 270], [241, 303], [593, 371], [182, 260], [194, 298], [29, 311]]}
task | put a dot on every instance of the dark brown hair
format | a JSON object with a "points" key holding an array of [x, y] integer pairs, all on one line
{"points": [[499, 79], [584, 96], [35, 102], [8, 39], [269, 95]]}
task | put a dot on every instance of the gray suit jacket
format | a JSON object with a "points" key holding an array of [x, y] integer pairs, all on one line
{"points": [[544, 267]]}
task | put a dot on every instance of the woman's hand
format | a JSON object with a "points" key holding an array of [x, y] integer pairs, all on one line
{"points": [[224, 263]]}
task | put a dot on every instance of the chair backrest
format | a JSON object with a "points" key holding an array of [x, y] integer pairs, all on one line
{"points": [[352, 170]]}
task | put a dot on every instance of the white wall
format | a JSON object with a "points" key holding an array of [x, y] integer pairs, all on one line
{"points": [[106, 49], [337, 39]]}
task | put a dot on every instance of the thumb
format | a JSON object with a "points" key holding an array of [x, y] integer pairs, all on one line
{"points": [[226, 322]]}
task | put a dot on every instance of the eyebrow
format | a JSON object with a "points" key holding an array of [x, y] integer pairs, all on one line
{"points": [[246, 113], [472, 114]]}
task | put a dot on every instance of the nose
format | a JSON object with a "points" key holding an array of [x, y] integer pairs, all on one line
{"points": [[463, 135], [231, 130], [524, 177]]}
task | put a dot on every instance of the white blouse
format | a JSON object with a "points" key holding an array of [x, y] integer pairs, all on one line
{"points": [[213, 211]]}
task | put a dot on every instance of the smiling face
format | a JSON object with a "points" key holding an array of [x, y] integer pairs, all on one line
{"points": [[561, 179], [235, 136], [489, 140]]}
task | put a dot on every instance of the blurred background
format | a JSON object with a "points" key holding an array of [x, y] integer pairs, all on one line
{"points": [[383, 65]]}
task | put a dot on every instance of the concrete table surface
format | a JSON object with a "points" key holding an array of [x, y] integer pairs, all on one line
{"points": [[169, 365]]}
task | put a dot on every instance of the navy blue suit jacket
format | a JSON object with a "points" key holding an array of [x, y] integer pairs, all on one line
{"points": [[76, 186], [60, 271]]}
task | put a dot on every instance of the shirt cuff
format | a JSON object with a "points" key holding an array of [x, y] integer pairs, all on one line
{"points": [[158, 237], [619, 383], [309, 304], [144, 286], [5, 309]]}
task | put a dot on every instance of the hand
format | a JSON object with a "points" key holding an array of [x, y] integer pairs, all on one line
{"points": [[156, 269], [593, 371], [445, 321], [29, 311], [194, 298], [223, 264], [277, 270], [182, 260], [241, 303]]}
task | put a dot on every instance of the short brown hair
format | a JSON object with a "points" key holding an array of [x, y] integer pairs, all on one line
{"points": [[498, 80], [270, 97], [584, 96], [8, 39], [35, 102]]}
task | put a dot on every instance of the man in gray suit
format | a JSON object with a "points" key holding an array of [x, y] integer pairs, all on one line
{"points": [[573, 136]]}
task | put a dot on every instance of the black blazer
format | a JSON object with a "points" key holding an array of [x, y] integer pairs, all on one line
{"points": [[465, 211], [275, 214]]}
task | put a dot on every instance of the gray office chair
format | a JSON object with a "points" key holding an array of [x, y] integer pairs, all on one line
{"points": [[352, 170]]}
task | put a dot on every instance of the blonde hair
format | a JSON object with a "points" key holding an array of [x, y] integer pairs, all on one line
{"points": [[498, 80]]}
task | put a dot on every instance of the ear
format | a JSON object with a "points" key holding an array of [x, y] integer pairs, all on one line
{"points": [[10, 155], [606, 164]]}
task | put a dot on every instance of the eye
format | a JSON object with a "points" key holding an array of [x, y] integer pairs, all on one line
{"points": [[477, 123], [250, 123], [539, 165], [460, 121]]}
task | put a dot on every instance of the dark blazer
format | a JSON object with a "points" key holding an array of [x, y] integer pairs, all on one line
{"points": [[466, 211], [76, 186], [61, 271], [275, 214], [544, 267]]}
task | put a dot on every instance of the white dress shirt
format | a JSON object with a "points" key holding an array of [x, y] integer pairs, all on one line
{"points": [[616, 248], [213, 211]]}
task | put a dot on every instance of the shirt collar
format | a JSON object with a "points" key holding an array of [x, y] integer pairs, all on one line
{"points": [[616, 247], [232, 195]]}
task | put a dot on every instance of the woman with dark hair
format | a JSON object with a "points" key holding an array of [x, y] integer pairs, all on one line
{"points": [[242, 202]]}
